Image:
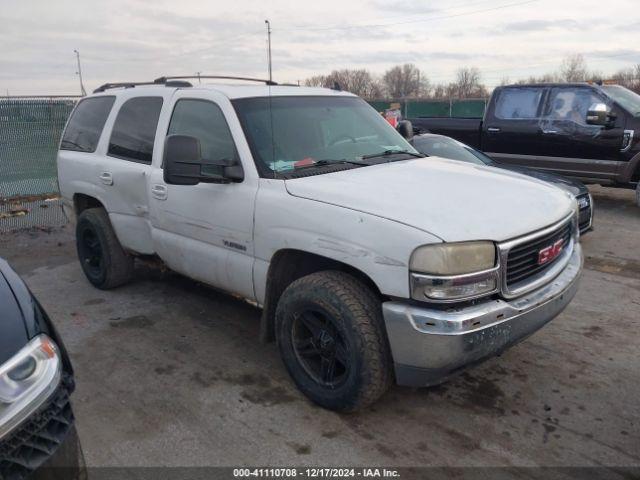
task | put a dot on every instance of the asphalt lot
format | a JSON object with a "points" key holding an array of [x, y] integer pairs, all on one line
{"points": [[171, 373]]}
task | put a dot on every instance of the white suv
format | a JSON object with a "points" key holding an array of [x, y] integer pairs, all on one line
{"points": [[370, 263]]}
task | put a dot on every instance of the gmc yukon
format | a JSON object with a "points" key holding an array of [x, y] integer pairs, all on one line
{"points": [[580, 130], [370, 264]]}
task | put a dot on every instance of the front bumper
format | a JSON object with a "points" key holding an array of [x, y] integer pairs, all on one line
{"points": [[46, 444], [429, 345]]}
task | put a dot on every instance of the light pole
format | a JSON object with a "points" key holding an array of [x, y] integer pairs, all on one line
{"points": [[269, 48], [79, 72]]}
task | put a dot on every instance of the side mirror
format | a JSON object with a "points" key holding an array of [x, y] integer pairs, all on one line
{"points": [[405, 129], [598, 114], [184, 165]]}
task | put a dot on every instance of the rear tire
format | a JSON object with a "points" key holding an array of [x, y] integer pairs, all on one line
{"points": [[103, 260], [332, 339]]}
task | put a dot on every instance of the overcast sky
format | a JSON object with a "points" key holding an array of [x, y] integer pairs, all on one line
{"points": [[126, 40]]}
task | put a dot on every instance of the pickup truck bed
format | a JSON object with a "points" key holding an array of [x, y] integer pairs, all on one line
{"points": [[466, 130]]}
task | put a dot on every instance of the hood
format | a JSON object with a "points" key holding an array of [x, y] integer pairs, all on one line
{"points": [[452, 200], [574, 187], [13, 330]]}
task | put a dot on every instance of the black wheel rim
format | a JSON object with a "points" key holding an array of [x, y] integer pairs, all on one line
{"points": [[91, 252], [320, 348]]}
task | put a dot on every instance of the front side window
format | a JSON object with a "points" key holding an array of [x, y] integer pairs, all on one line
{"points": [[134, 130], [570, 105], [205, 121], [86, 123], [288, 133], [518, 103]]}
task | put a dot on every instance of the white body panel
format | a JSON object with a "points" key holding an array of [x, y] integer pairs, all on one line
{"points": [[452, 200], [371, 218]]}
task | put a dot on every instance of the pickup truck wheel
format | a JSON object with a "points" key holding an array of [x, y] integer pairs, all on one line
{"points": [[331, 336], [104, 262]]}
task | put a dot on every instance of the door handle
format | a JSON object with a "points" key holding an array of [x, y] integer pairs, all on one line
{"points": [[493, 129], [106, 178], [550, 132], [159, 191]]}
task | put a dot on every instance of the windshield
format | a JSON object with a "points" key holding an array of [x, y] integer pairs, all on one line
{"points": [[445, 147], [627, 99], [290, 133]]}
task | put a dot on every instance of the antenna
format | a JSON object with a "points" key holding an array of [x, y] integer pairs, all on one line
{"points": [[269, 48], [79, 73]]}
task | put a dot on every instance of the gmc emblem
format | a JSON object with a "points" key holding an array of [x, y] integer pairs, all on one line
{"points": [[549, 253]]}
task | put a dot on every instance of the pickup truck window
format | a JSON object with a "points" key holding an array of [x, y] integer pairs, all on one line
{"points": [[518, 103], [134, 130], [567, 104], [286, 133], [627, 99], [205, 121], [86, 123]]}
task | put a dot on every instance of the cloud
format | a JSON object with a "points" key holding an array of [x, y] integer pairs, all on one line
{"points": [[527, 26]]}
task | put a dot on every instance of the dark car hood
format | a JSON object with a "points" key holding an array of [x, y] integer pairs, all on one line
{"points": [[13, 330], [573, 186]]}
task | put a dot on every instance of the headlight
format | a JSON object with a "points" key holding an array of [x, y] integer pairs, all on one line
{"points": [[453, 258], [449, 272], [27, 380]]}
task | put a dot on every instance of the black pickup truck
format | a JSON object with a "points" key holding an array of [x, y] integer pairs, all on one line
{"points": [[585, 131]]}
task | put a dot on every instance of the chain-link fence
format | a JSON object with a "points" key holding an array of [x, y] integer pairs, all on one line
{"points": [[30, 130]]}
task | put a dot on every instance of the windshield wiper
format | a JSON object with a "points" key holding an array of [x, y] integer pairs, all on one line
{"points": [[323, 163], [388, 153]]}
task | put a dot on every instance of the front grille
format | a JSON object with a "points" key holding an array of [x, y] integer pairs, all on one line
{"points": [[522, 260], [584, 214], [32, 443]]}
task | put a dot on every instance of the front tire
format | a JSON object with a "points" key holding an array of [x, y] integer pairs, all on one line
{"points": [[104, 262], [332, 339]]}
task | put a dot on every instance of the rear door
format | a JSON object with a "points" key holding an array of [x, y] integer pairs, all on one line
{"points": [[125, 167], [511, 126]]}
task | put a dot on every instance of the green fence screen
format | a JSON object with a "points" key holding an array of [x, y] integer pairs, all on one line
{"points": [[460, 108], [30, 130]]}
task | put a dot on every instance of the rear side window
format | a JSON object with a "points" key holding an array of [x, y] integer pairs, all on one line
{"points": [[205, 121], [134, 130], [86, 123], [518, 103]]}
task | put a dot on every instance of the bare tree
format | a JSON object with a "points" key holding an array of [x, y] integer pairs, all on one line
{"points": [[405, 81], [468, 84], [574, 69], [316, 81], [629, 77], [359, 82]]}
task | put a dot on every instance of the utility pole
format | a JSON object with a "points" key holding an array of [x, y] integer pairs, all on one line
{"points": [[269, 48], [79, 73], [198, 74]]}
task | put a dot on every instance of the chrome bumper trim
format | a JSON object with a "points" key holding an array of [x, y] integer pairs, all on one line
{"points": [[428, 345]]}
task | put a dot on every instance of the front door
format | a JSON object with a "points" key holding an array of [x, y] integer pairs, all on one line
{"points": [[205, 231], [576, 148]]}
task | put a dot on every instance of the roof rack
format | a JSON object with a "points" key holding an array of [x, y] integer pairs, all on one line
{"points": [[164, 80], [178, 81], [168, 83]]}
